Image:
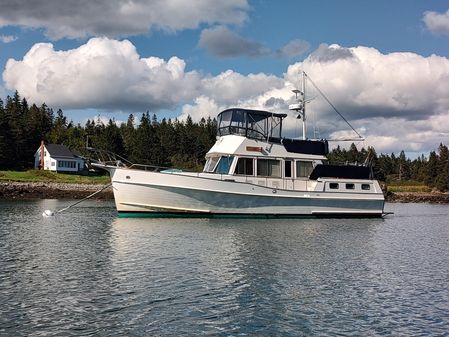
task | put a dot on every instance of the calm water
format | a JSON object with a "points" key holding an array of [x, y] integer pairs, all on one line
{"points": [[86, 272]]}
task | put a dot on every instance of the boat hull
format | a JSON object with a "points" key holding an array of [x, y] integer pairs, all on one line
{"points": [[173, 195]]}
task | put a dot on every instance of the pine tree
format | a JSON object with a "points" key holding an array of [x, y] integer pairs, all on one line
{"points": [[442, 178]]}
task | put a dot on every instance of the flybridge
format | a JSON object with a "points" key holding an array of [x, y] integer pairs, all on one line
{"points": [[254, 124], [267, 127]]}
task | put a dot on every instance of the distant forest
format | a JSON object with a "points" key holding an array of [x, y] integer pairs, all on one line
{"points": [[172, 143]]}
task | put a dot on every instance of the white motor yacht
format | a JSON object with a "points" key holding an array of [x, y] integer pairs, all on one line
{"points": [[251, 171]]}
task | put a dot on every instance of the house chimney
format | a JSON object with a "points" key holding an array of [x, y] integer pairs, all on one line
{"points": [[41, 157]]}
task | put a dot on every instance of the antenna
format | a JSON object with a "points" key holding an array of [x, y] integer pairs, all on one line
{"points": [[300, 106]]}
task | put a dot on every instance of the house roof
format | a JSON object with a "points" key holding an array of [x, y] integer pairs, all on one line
{"points": [[60, 151]]}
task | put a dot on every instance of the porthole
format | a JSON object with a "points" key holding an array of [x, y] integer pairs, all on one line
{"points": [[333, 186], [350, 186]]}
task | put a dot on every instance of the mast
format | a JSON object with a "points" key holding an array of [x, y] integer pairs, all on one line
{"points": [[300, 106], [303, 106]]}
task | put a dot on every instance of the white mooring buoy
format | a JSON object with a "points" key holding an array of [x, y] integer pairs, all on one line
{"points": [[48, 213]]}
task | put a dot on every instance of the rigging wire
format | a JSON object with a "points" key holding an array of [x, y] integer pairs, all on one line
{"points": [[330, 103]]}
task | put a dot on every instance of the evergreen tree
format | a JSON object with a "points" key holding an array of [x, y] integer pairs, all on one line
{"points": [[442, 179], [432, 169]]}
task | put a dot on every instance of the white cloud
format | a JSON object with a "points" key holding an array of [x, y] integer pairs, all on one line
{"points": [[437, 23], [204, 107], [7, 38], [102, 74], [84, 18], [230, 88], [366, 83], [397, 100]]}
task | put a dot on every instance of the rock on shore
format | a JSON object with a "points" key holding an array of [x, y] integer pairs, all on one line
{"points": [[51, 190]]}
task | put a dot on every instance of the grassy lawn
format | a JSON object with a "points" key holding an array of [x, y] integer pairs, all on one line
{"points": [[47, 176], [407, 186]]}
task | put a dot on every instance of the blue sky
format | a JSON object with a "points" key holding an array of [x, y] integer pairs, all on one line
{"points": [[384, 64]]}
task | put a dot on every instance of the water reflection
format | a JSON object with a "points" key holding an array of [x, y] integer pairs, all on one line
{"points": [[89, 272]]}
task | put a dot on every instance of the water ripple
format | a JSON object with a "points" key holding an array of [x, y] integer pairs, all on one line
{"points": [[88, 273]]}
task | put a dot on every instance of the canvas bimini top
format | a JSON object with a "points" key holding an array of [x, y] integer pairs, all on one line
{"points": [[265, 126], [255, 124]]}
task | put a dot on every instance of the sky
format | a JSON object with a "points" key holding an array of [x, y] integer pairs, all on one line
{"points": [[383, 64]]}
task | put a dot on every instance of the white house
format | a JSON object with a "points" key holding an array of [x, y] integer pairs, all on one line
{"points": [[57, 158]]}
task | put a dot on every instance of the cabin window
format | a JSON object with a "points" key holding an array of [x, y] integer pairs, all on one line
{"points": [[303, 168], [350, 186], [224, 165], [245, 166], [288, 169], [333, 186], [268, 167], [366, 187], [210, 164]]}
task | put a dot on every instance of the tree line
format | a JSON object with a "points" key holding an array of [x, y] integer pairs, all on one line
{"points": [[172, 143], [432, 171]]}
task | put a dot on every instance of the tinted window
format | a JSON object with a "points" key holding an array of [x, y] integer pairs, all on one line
{"points": [[224, 164], [288, 169], [333, 186], [365, 187], [350, 186], [268, 167], [303, 168], [245, 166]]}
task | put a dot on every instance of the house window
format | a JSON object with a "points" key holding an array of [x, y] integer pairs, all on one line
{"points": [[268, 167], [245, 166], [333, 186], [303, 168], [350, 186], [366, 187], [66, 164]]}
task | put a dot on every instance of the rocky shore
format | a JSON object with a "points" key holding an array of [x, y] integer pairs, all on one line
{"points": [[430, 197], [51, 190]]}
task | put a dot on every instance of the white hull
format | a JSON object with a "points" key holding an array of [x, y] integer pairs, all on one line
{"points": [[183, 193]]}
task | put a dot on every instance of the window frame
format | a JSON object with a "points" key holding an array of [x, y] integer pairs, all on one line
{"points": [[245, 160], [269, 169], [297, 171]]}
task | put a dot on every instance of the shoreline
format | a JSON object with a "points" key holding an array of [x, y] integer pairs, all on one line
{"points": [[51, 190]]}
